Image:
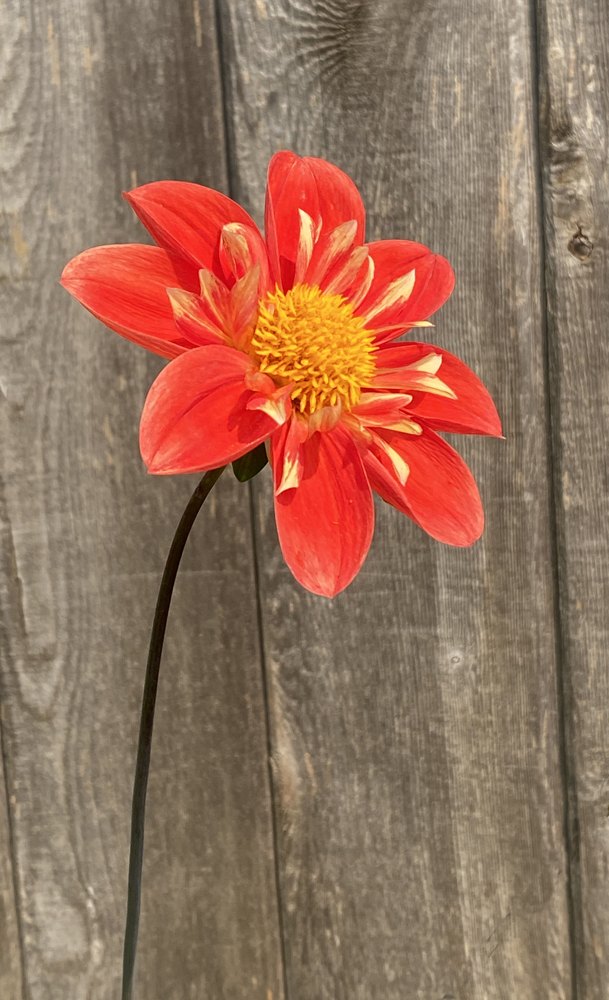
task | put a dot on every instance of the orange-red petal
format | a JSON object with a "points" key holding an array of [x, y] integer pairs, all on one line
{"points": [[125, 286], [241, 249], [322, 190], [394, 260], [195, 320], [440, 493], [187, 219], [196, 416], [325, 525], [288, 455], [472, 412]]}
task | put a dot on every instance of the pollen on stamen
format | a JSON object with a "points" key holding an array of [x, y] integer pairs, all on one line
{"points": [[315, 341]]}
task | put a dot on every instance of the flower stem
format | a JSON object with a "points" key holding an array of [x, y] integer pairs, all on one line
{"points": [[142, 767]]}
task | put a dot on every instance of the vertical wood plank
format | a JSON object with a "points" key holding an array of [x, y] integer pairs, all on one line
{"points": [[415, 718], [575, 149], [102, 97], [11, 980]]}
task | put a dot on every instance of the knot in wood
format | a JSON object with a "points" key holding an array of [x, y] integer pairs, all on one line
{"points": [[580, 245]]}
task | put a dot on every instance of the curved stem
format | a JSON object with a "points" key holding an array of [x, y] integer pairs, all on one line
{"points": [[142, 767]]}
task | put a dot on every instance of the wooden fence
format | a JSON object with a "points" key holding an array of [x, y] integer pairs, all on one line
{"points": [[399, 795]]}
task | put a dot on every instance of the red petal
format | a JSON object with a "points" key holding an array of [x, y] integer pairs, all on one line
{"points": [[187, 219], [393, 259], [472, 412], [287, 454], [322, 190], [195, 319], [440, 493], [125, 286], [196, 417], [325, 525], [385, 409], [241, 249]]}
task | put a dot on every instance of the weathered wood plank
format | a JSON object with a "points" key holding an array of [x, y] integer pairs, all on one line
{"points": [[100, 98], [415, 729], [575, 150], [11, 982]]}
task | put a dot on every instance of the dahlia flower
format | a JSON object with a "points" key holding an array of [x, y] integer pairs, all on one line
{"points": [[291, 339]]}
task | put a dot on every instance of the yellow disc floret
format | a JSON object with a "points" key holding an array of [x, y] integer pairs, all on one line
{"points": [[313, 340]]}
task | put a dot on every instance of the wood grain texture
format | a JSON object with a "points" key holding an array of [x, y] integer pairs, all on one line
{"points": [[575, 147], [99, 98], [11, 982], [415, 719]]}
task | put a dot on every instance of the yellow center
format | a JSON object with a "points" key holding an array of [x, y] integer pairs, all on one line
{"points": [[313, 340]]}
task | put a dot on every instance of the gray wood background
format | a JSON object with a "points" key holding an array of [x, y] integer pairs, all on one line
{"points": [[400, 795]]}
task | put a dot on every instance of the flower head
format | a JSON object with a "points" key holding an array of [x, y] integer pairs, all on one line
{"points": [[291, 339]]}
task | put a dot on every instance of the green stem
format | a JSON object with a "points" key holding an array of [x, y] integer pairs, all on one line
{"points": [[142, 767]]}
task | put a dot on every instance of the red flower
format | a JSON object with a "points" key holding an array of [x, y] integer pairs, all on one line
{"points": [[290, 340]]}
